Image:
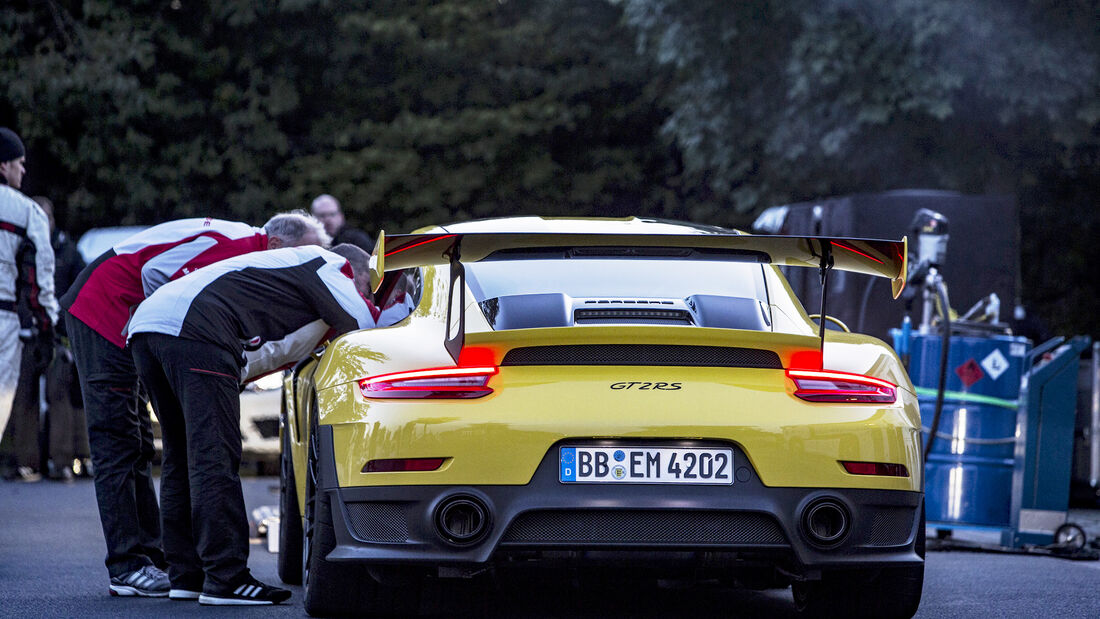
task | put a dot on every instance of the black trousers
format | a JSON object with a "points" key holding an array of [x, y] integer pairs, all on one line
{"points": [[120, 437], [67, 429], [20, 442], [195, 389]]}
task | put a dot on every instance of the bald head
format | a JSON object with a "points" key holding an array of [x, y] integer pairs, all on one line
{"points": [[327, 209]]}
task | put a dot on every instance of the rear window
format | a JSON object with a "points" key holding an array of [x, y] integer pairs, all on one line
{"points": [[534, 293], [643, 278]]}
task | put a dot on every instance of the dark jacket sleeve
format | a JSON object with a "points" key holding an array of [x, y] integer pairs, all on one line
{"points": [[68, 263], [35, 286]]}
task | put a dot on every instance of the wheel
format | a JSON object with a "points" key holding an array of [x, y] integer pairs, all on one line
{"points": [[290, 519], [1071, 536], [341, 588], [888, 592], [892, 592]]}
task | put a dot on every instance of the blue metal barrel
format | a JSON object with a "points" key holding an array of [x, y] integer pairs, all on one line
{"points": [[969, 471]]}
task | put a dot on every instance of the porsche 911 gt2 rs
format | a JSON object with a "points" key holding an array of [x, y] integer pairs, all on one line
{"points": [[569, 393]]}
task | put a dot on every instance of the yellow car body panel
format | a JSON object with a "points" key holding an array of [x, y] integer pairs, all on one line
{"points": [[500, 439]]}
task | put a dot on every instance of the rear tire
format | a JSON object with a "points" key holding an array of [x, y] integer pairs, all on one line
{"points": [[892, 592], [290, 519], [342, 588]]}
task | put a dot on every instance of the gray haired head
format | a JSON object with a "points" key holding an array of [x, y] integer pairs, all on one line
{"points": [[360, 265], [294, 229], [359, 259]]}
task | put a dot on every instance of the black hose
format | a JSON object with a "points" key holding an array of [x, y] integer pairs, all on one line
{"points": [[945, 345], [863, 302]]}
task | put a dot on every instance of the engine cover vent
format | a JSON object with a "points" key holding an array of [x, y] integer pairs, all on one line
{"points": [[632, 315]]}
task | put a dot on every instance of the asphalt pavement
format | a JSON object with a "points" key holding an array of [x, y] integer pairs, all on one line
{"points": [[51, 565]]}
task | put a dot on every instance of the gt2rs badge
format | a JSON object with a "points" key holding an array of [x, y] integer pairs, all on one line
{"points": [[641, 386]]}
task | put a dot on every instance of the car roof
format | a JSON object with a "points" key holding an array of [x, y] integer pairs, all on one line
{"points": [[98, 240]]}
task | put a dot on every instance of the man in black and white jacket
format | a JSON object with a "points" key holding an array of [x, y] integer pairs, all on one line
{"points": [[189, 340]]}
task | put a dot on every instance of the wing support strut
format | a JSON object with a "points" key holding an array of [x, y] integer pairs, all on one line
{"points": [[454, 342], [825, 266]]}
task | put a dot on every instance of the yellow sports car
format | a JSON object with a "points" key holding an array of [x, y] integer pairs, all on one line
{"points": [[572, 393]]}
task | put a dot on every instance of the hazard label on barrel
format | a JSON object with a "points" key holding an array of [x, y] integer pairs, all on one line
{"points": [[969, 372], [995, 364]]}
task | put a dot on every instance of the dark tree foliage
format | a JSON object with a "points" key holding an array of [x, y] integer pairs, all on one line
{"points": [[410, 112], [426, 112], [780, 101], [415, 112]]}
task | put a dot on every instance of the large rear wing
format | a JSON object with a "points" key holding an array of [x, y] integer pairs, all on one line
{"points": [[875, 257]]}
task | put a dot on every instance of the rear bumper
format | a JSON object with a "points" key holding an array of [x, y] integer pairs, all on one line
{"points": [[545, 518]]}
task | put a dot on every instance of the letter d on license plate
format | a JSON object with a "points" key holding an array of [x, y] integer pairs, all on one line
{"points": [[645, 465]]}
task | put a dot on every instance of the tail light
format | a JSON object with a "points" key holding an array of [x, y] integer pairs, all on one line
{"points": [[832, 386], [460, 382]]}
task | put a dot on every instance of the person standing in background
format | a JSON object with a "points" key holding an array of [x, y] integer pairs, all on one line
{"points": [[327, 209], [67, 431], [98, 309], [28, 307], [63, 426], [67, 259]]}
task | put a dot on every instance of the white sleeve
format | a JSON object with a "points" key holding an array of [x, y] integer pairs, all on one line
{"points": [[339, 302], [38, 231], [160, 269], [273, 355], [396, 312]]}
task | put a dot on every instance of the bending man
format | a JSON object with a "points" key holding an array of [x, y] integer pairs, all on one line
{"points": [[120, 434], [189, 341]]}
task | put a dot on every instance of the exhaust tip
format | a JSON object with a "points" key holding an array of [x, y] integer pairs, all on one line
{"points": [[462, 520], [826, 522]]}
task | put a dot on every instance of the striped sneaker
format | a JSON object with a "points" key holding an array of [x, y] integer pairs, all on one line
{"points": [[146, 582], [186, 588], [183, 595], [251, 592]]}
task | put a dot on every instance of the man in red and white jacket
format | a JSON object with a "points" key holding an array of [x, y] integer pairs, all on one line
{"points": [[99, 305]]}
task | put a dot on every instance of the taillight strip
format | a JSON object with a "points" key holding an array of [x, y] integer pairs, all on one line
{"points": [[841, 387], [430, 373], [449, 382]]}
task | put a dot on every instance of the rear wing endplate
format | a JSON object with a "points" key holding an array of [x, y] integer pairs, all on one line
{"points": [[876, 257]]}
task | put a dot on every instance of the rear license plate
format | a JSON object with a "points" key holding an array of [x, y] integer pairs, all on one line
{"points": [[645, 465]]}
